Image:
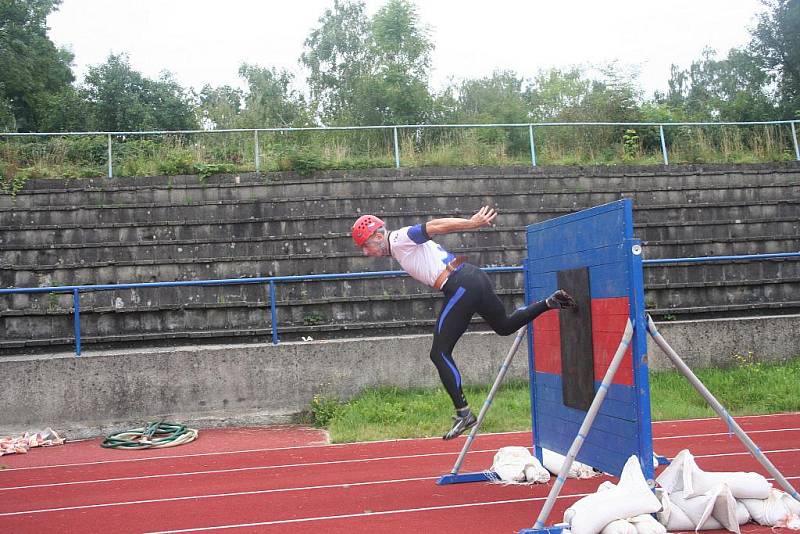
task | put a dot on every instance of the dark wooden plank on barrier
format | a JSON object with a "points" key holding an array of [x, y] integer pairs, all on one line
{"points": [[577, 361]]}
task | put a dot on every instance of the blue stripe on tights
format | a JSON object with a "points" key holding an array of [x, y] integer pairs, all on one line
{"points": [[452, 302], [452, 367]]}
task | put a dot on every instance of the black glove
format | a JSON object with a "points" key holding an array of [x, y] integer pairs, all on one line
{"points": [[560, 299]]}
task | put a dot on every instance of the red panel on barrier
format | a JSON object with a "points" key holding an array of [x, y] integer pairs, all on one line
{"points": [[547, 343], [609, 317]]}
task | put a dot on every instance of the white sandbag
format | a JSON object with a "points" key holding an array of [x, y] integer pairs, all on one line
{"points": [[631, 497], [552, 461], [518, 465], [683, 474], [778, 510], [642, 523], [647, 524], [717, 509], [672, 517], [619, 526]]}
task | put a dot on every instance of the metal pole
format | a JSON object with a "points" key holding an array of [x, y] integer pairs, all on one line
{"points": [[489, 398], [533, 147], [76, 306], [721, 411], [663, 144], [258, 159], [110, 165], [586, 426], [396, 150], [794, 138], [274, 312]]}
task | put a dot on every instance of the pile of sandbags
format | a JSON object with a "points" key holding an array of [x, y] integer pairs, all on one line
{"points": [[516, 465], [623, 508], [21, 444], [688, 499], [693, 499]]}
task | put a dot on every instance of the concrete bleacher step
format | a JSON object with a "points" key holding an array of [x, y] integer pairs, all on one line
{"points": [[159, 190], [128, 263], [443, 202], [145, 230], [247, 242], [673, 275], [320, 225]]}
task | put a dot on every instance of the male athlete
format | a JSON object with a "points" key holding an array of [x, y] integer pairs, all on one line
{"points": [[467, 290]]}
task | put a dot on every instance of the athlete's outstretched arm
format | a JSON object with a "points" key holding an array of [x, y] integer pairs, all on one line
{"points": [[447, 225]]}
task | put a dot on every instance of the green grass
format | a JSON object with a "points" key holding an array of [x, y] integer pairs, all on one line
{"points": [[391, 413], [306, 152]]}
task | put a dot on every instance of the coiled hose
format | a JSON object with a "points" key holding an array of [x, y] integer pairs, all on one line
{"points": [[155, 435]]}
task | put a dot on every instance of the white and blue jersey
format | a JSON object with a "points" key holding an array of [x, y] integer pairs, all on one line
{"points": [[420, 257]]}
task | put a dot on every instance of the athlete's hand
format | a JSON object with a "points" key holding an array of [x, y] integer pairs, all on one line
{"points": [[484, 217]]}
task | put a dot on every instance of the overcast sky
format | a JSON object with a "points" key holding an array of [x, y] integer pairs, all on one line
{"points": [[204, 41]]}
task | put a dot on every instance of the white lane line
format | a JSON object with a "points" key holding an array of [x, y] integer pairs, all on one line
{"points": [[339, 445], [277, 490], [213, 496], [302, 464], [747, 453], [748, 432], [365, 514], [737, 417], [234, 494], [247, 451], [236, 470]]}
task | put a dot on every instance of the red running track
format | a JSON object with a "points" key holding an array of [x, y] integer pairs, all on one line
{"points": [[287, 480]]}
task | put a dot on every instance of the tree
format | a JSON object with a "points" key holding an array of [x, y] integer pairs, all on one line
{"points": [[31, 67], [498, 98], [337, 57], [776, 46], [731, 89], [270, 100], [121, 99], [219, 108], [555, 94], [369, 71], [66, 111], [401, 53]]}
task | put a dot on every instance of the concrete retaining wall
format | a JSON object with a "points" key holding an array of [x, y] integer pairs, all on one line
{"points": [[266, 384]]}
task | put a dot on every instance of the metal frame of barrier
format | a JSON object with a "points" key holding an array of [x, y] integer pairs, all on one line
{"points": [[395, 128]]}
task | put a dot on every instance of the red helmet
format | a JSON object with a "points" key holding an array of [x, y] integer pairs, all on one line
{"points": [[364, 227]]}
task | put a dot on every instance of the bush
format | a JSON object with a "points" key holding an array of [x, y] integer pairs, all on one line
{"points": [[204, 170], [324, 410], [89, 150], [302, 160], [177, 162]]}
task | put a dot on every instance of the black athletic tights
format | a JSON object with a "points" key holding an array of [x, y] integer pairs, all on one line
{"points": [[469, 291]]}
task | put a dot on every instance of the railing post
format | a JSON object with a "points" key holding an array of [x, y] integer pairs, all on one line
{"points": [[258, 159], [794, 138], [663, 144], [76, 306], [396, 149], [533, 147], [110, 165], [274, 312]]}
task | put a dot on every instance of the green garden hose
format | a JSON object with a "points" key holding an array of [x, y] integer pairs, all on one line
{"points": [[154, 435]]}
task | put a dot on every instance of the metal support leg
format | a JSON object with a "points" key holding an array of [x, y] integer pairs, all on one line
{"points": [[721, 411], [594, 408], [454, 477]]}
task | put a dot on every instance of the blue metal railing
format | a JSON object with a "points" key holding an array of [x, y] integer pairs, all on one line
{"points": [[395, 128], [272, 281]]}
